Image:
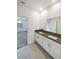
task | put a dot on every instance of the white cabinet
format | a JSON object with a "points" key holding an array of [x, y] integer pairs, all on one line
{"points": [[39, 39], [53, 48]]}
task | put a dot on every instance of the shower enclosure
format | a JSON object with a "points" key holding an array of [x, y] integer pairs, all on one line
{"points": [[22, 27]]}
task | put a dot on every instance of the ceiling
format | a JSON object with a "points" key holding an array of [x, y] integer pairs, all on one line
{"points": [[36, 5]]}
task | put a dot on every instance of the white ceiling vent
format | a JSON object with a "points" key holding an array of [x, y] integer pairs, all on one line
{"points": [[37, 5], [22, 2]]}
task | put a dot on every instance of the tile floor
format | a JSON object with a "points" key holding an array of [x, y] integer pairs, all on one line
{"points": [[31, 52]]}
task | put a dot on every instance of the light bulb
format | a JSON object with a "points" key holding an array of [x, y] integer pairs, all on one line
{"points": [[41, 9], [53, 0]]}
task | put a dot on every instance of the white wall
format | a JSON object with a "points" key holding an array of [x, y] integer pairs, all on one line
{"points": [[53, 11], [33, 21]]}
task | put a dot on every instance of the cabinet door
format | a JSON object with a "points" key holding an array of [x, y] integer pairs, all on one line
{"points": [[36, 37], [45, 44], [39, 39], [42, 41], [55, 49]]}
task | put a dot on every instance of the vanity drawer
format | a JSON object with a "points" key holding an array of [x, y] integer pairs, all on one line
{"points": [[54, 49]]}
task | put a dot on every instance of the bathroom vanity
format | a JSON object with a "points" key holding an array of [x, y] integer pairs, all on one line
{"points": [[50, 42]]}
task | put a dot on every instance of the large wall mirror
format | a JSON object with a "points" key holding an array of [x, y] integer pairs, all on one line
{"points": [[53, 25]]}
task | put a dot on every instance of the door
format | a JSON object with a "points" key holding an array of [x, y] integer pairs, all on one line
{"points": [[22, 32]]}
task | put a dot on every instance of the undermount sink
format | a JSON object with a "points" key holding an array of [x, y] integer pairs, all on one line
{"points": [[41, 32], [46, 34], [53, 37]]}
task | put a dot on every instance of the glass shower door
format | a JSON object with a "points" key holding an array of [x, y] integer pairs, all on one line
{"points": [[21, 32]]}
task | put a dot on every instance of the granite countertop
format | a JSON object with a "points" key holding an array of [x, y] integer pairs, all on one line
{"points": [[46, 34]]}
